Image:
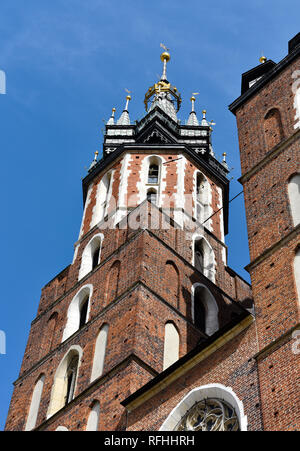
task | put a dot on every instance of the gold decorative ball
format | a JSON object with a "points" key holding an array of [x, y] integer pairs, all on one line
{"points": [[262, 59], [165, 56], [193, 98], [128, 97]]}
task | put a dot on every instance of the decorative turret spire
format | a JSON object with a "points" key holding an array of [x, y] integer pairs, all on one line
{"points": [[95, 161], [204, 121], [193, 120], [124, 118], [224, 163], [111, 120]]}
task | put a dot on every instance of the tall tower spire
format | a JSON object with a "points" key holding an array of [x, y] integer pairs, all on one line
{"points": [[163, 94]]}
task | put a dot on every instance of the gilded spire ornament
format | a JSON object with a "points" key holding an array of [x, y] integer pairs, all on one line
{"points": [[162, 93]]}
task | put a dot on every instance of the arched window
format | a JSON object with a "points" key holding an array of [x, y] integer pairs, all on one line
{"points": [[49, 337], [294, 196], [112, 282], [95, 257], [172, 283], [71, 376], [199, 256], [273, 128], [297, 271], [93, 420], [204, 257], [202, 198], [297, 107], [152, 196], [91, 255], [102, 198], [65, 379], [62, 429], [78, 311], [35, 403], [171, 345], [212, 407], [153, 174], [99, 353], [199, 312], [205, 311], [83, 312]]}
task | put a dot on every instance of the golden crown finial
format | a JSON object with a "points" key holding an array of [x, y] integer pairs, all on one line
{"points": [[165, 56], [262, 59]]}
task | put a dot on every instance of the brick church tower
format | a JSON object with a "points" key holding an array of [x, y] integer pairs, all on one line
{"points": [[268, 120], [148, 328]]}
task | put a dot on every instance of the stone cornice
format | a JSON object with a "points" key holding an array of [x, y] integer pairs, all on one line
{"points": [[270, 156], [291, 235], [185, 364], [276, 344], [95, 385]]}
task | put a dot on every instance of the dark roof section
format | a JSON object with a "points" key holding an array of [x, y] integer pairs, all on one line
{"points": [[200, 347], [294, 42], [294, 52], [255, 74]]}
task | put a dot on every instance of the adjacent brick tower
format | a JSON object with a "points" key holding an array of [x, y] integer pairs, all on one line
{"points": [[268, 120], [148, 328]]}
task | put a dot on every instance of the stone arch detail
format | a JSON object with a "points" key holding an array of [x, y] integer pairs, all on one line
{"points": [[210, 306], [112, 282], [217, 391], [73, 315], [273, 128]]}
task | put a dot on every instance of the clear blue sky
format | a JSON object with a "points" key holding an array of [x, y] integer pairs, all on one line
{"points": [[67, 64]]}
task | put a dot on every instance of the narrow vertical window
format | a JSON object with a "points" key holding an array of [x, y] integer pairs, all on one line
{"points": [[171, 345], [202, 198], [112, 282], [91, 255], [294, 197], [273, 128], [204, 257], [96, 257], [35, 404], [99, 353], [205, 311], [199, 256], [93, 420], [71, 379], [153, 174], [297, 272], [64, 385], [83, 312], [152, 196], [78, 311], [200, 314]]}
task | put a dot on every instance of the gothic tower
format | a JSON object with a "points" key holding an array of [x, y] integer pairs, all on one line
{"points": [[148, 328], [268, 121]]}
